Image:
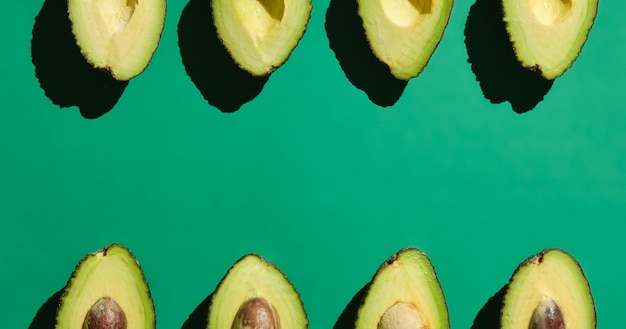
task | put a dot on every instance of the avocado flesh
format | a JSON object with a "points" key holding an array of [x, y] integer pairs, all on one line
{"points": [[551, 276], [253, 280], [110, 273], [548, 35], [260, 35], [405, 289], [119, 36], [404, 33]]}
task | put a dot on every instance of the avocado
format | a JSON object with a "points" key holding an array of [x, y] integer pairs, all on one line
{"points": [[118, 36], [106, 291], [257, 295], [404, 293], [548, 291], [404, 33], [548, 35], [260, 34]]}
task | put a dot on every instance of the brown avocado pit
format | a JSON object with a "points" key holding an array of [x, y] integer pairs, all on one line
{"points": [[256, 313], [402, 315], [105, 314], [547, 315]]}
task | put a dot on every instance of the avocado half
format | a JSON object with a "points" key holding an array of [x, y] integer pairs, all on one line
{"points": [[404, 33], [118, 36], [547, 36], [404, 293], [256, 294], [548, 291], [260, 34], [107, 290]]}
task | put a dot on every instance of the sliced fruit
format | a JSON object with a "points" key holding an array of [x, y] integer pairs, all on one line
{"points": [[260, 34], [404, 33], [256, 294], [548, 35], [404, 293], [118, 36], [107, 290], [548, 291]]}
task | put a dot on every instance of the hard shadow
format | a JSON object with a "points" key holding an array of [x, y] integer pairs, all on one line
{"points": [[219, 79], [46, 315], [348, 315], [199, 318], [347, 39], [489, 315], [501, 76], [63, 73]]}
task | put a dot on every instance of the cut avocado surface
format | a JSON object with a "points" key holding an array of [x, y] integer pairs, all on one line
{"points": [[107, 290], [256, 294], [548, 35], [404, 293], [260, 35], [548, 291], [118, 36], [404, 33]]}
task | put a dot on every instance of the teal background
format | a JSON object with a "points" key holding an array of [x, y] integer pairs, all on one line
{"points": [[314, 176]]}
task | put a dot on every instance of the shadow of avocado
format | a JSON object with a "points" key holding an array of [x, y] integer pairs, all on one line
{"points": [[346, 36], [47, 313], [501, 76], [64, 74], [199, 318], [347, 317], [489, 315], [219, 79]]}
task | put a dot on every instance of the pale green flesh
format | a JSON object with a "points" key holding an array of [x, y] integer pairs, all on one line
{"points": [[112, 272], [548, 35], [260, 34], [408, 278], [555, 275], [119, 36], [404, 33]]}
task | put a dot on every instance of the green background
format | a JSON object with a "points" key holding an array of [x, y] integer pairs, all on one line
{"points": [[314, 176]]}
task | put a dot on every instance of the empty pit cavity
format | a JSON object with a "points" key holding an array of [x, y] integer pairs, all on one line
{"points": [[116, 13], [260, 16], [548, 12], [402, 315], [405, 12]]}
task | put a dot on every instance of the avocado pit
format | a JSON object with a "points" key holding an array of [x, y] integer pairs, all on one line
{"points": [[547, 315], [402, 315], [105, 314], [256, 313]]}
